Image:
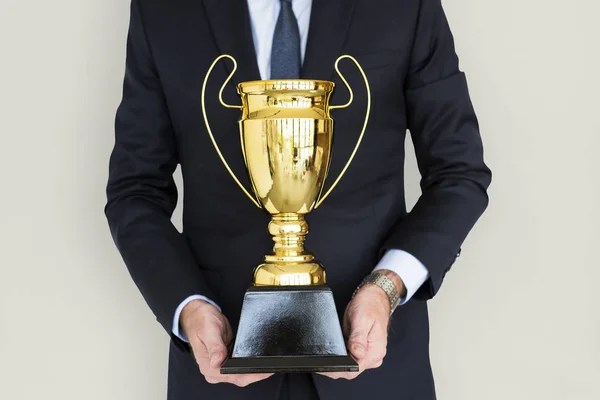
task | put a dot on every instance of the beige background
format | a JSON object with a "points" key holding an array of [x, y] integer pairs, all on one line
{"points": [[517, 317]]}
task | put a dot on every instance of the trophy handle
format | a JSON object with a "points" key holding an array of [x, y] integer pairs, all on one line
{"points": [[364, 127], [212, 138]]}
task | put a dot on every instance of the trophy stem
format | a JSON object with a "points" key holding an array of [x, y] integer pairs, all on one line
{"points": [[289, 231], [290, 264]]}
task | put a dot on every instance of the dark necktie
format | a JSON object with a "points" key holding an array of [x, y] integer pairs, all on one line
{"points": [[285, 53]]}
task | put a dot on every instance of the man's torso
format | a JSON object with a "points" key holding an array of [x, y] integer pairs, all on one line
{"points": [[228, 234]]}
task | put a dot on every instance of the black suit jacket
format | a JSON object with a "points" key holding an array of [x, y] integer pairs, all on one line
{"points": [[407, 51]]}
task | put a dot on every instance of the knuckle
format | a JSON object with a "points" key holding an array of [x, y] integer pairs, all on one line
{"points": [[357, 337], [219, 323], [219, 350]]}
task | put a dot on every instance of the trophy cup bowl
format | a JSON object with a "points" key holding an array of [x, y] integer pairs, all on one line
{"points": [[288, 321], [286, 135]]}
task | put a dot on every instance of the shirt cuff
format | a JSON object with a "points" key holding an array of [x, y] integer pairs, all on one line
{"points": [[177, 331], [412, 272]]}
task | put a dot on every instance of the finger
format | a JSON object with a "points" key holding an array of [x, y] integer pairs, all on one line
{"points": [[376, 347], [374, 359], [340, 375], [248, 379], [203, 360], [217, 356], [200, 353], [358, 339], [217, 351], [238, 380], [332, 375], [371, 362]]}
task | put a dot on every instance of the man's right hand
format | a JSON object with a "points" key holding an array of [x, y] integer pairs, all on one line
{"points": [[209, 333]]}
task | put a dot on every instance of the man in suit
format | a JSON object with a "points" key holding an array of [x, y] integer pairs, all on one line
{"points": [[195, 281]]}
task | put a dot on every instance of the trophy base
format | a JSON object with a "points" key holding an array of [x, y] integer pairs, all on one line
{"points": [[289, 329], [291, 364]]}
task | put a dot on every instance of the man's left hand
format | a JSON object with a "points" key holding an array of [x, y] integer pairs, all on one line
{"points": [[365, 325]]}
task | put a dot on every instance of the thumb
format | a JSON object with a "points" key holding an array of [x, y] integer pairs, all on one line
{"points": [[216, 351], [357, 341]]}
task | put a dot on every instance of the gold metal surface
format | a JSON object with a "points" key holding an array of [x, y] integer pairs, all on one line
{"points": [[289, 264], [286, 134]]}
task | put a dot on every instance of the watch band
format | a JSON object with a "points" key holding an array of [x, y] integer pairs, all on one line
{"points": [[386, 284]]}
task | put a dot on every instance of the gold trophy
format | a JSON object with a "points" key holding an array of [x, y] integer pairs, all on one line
{"points": [[288, 321]]}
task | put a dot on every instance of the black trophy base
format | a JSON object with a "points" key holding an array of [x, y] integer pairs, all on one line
{"points": [[289, 329], [254, 365]]}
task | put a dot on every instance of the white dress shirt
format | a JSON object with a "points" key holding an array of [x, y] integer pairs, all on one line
{"points": [[263, 18]]}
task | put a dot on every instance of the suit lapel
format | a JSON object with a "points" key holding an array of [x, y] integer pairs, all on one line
{"points": [[329, 23], [230, 24]]}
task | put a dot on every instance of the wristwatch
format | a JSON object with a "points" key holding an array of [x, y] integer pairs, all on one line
{"points": [[386, 284]]}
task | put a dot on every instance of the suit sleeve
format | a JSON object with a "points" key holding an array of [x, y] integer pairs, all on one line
{"points": [[445, 133], [141, 191]]}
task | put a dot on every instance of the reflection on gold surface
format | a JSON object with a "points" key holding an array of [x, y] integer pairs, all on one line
{"points": [[286, 134]]}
